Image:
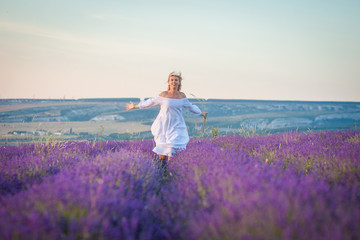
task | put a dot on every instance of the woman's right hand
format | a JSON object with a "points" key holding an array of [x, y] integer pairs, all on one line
{"points": [[130, 106]]}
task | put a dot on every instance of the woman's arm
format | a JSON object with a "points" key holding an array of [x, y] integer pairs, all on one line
{"points": [[194, 109], [143, 104]]}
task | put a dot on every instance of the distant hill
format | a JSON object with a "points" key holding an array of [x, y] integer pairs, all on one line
{"points": [[227, 115]]}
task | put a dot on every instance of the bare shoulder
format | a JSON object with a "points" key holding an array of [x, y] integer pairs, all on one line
{"points": [[163, 94], [183, 95]]}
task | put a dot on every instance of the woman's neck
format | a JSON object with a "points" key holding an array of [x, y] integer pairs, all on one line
{"points": [[172, 92]]}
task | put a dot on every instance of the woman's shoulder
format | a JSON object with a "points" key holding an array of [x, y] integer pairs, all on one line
{"points": [[163, 94], [183, 95]]}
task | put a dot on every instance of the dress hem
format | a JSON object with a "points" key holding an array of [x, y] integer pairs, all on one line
{"points": [[167, 151]]}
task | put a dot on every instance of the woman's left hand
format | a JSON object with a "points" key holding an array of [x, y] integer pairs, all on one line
{"points": [[204, 114]]}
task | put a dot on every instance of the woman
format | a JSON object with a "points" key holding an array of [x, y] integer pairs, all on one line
{"points": [[169, 129]]}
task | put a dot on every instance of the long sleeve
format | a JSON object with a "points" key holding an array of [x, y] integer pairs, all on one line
{"points": [[192, 108], [149, 102]]}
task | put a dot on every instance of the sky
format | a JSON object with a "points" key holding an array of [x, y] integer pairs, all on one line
{"points": [[259, 49]]}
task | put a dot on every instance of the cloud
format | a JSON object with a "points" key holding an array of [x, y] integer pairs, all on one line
{"points": [[40, 31], [94, 44]]}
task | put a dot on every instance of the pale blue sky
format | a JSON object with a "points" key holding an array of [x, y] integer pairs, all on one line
{"points": [[273, 50]]}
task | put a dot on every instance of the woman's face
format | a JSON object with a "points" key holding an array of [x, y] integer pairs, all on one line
{"points": [[174, 82]]}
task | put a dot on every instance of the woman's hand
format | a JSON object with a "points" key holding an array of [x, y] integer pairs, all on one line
{"points": [[204, 114], [131, 105]]}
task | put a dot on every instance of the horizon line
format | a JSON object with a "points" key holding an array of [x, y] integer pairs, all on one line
{"points": [[206, 99]]}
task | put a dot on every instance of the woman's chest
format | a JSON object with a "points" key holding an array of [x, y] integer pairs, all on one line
{"points": [[172, 104]]}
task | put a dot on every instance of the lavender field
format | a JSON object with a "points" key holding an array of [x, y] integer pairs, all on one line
{"points": [[282, 186]]}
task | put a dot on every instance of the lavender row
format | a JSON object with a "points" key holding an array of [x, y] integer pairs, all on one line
{"points": [[333, 156], [112, 196], [25, 165]]}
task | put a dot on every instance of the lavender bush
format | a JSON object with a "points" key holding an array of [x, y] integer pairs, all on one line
{"points": [[283, 186]]}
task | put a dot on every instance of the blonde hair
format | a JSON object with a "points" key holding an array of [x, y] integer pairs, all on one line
{"points": [[178, 75]]}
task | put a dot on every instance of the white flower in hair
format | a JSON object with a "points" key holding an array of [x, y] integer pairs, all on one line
{"points": [[176, 73]]}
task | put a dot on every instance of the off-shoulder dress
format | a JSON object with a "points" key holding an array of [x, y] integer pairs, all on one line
{"points": [[169, 128]]}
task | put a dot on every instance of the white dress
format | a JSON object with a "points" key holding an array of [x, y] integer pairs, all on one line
{"points": [[169, 128]]}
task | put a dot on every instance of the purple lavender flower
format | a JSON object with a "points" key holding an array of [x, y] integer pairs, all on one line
{"points": [[282, 186]]}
